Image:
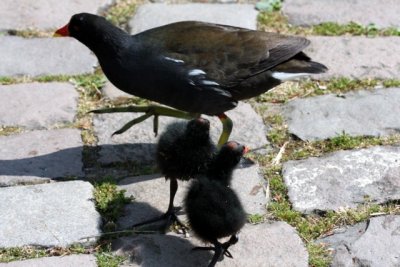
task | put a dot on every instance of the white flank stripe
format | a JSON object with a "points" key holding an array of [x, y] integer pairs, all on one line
{"points": [[196, 72], [285, 76], [174, 60], [207, 82]]}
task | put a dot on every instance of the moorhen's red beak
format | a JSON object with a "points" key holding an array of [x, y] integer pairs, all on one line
{"points": [[62, 32]]}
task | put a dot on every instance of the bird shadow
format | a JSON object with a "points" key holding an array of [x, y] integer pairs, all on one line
{"points": [[65, 164], [160, 250]]}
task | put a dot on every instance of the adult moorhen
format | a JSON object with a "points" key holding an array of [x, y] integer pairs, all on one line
{"points": [[184, 151], [195, 67], [213, 209]]}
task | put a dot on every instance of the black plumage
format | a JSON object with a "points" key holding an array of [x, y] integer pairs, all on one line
{"points": [[184, 151], [213, 209], [196, 67]]}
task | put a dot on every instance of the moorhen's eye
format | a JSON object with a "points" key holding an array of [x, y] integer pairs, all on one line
{"points": [[76, 28]]}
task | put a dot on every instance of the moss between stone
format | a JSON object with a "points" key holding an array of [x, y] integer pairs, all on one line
{"points": [[9, 130], [120, 12], [276, 22], [308, 88], [32, 252], [311, 227]]}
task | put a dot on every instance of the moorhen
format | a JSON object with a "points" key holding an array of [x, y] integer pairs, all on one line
{"points": [[194, 67], [213, 209], [184, 151]]}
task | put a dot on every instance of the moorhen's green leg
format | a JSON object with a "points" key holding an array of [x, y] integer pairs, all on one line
{"points": [[156, 111], [227, 125], [220, 249], [149, 110], [169, 215]]}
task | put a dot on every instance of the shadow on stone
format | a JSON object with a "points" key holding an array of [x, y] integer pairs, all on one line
{"points": [[151, 250], [60, 165]]}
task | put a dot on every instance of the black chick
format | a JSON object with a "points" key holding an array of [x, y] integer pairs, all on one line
{"points": [[183, 152], [213, 209]]}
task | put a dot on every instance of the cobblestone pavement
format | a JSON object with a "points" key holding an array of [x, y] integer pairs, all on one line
{"points": [[50, 151]]}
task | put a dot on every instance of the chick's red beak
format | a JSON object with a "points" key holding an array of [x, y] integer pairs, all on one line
{"points": [[246, 149], [62, 32]]}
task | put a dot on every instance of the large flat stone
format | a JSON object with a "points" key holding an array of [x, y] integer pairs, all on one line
{"points": [[54, 214], [374, 243], [372, 113], [44, 14], [243, 15], [356, 56], [344, 179], [44, 56], [38, 156], [151, 194], [305, 13], [138, 143], [259, 245], [64, 261], [37, 105]]}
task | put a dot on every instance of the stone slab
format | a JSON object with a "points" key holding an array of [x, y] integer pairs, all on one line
{"points": [[44, 14], [112, 92], [64, 261], [151, 194], [374, 243], [44, 56], [356, 57], [371, 113], [38, 156], [240, 15], [344, 179], [37, 105], [259, 245], [54, 214], [138, 143], [306, 13]]}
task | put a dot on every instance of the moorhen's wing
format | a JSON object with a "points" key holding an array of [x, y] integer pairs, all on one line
{"points": [[227, 55]]}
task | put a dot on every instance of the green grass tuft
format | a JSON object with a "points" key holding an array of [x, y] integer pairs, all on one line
{"points": [[275, 21], [109, 201]]}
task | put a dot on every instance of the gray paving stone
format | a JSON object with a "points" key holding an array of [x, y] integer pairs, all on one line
{"points": [[151, 194], [37, 105], [356, 56], [305, 13], [243, 15], [38, 156], [373, 244], [54, 214], [344, 179], [64, 261], [44, 56], [112, 92], [138, 143], [259, 245], [44, 14], [371, 113]]}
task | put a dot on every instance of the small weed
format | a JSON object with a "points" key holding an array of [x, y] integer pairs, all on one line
{"points": [[255, 218], [109, 200], [105, 258], [120, 12], [8, 130]]}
